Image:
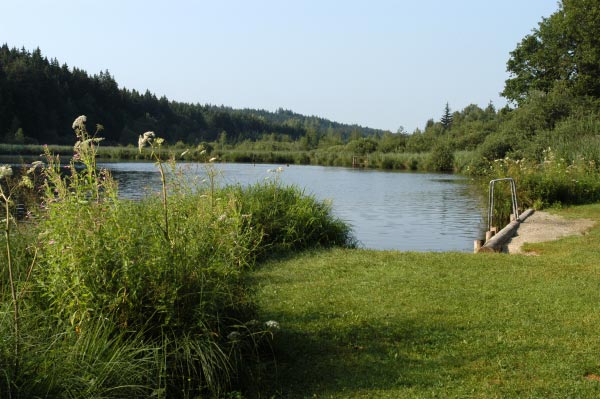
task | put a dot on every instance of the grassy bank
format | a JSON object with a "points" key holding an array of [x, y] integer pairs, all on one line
{"points": [[114, 153], [333, 156], [367, 324]]}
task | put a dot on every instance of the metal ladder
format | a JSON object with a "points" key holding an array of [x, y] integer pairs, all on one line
{"points": [[515, 205]]}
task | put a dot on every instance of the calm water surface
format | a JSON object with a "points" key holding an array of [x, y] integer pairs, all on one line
{"points": [[387, 210]]}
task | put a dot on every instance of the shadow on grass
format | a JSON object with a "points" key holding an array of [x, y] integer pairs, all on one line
{"points": [[359, 356]]}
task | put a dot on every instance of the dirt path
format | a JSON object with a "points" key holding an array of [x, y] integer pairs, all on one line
{"points": [[542, 226]]}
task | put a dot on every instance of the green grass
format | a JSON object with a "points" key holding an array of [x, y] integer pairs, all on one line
{"points": [[369, 324]]}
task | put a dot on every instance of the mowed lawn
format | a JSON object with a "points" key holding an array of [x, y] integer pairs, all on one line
{"points": [[372, 324]]}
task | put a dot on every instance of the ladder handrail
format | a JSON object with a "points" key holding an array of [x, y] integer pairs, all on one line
{"points": [[513, 190]]}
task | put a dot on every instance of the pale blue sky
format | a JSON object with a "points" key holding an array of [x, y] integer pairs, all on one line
{"points": [[377, 63]]}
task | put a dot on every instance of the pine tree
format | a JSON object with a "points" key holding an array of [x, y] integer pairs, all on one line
{"points": [[446, 120]]}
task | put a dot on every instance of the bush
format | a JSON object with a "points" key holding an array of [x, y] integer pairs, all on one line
{"points": [[441, 158], [496, 147], [362, 146], [290, 220]]}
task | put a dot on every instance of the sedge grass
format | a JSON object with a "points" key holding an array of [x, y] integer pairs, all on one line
{"points": [[369, 324]]}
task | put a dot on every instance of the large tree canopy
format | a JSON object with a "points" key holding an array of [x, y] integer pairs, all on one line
{"points": [[564, 48]]}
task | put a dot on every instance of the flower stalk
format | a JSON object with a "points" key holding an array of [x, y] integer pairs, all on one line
{"points": [[155, 144], [6, 171]]}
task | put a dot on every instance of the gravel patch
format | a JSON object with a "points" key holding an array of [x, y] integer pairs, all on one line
{"points": [[542, 226]]}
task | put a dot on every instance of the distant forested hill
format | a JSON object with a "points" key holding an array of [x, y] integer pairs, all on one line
{"points": [[39, 99]]}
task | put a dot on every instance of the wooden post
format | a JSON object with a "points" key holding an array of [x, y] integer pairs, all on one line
{"points": [[476, 245], [488, 235]]}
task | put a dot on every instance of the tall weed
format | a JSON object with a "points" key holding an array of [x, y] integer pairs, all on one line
{"points": [[290, 220], [158, 283]]}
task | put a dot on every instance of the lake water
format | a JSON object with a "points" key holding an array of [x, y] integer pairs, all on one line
{"points": [[387, 210]]}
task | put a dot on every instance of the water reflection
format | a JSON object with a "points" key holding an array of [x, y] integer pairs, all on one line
{"points": [[387, 210]]}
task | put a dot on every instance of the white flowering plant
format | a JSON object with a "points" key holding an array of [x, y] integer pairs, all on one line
{"points": [[84, 181]]}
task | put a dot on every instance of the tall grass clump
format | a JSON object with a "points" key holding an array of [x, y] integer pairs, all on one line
{"points": [[168, 267], [124, 299], [16, 270], [288, 219], [101, 361]]}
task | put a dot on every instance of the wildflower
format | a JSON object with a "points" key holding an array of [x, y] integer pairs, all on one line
{"points": [[5, 171], [79, 122], [144, 139], [85, 144], [272, 325], [34, 166]]}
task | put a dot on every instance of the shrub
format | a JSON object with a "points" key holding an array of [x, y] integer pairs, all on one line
{"points": [[441, 158], [290, 220], [496, 147], [362, 146]]}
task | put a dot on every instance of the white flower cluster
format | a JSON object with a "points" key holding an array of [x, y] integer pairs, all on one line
{"points": [[144, 139], [272, 325], [79, 122], [5, 171], [84, 145]]}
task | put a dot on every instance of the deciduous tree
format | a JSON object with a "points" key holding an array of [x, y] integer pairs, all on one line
{"points": [[564, 48]]}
